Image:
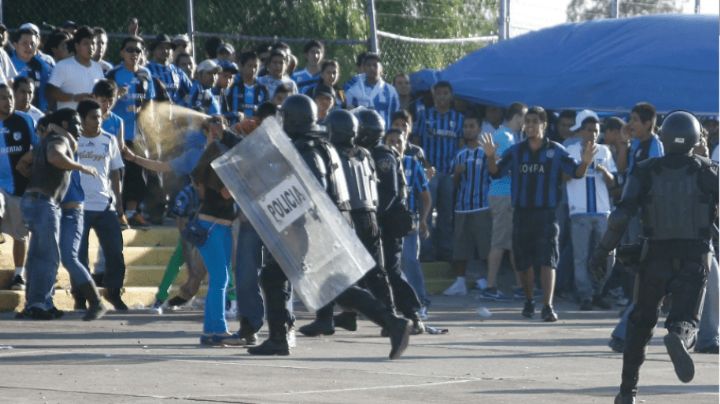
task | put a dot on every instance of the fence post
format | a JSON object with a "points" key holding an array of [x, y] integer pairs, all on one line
{"points": [[190, 25], [697, 7], [615, 9], [373, 26], [503, 20], [2, 19]]}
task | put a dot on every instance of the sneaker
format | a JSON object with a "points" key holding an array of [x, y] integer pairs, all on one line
{"points": [[548, 314], [493, 294], [18, 283], [680, 357], [124, 225], [458, 288], [158, 306], [518, 294], [481, 284], [423, 313], [138, 221], [291, 338], [617, 344], [176, 301], [231, 312], [418, 327], [586, 305], [529, 309], [225, 339]]}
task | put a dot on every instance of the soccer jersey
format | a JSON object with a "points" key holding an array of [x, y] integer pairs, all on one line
{"points": [[139, 88], [536, 176], [72, 77], [472, 193], [177, 84], [589, 195], [37, 69], [415, 179], [381, 97], [113, 124], [272, 84], [440, 136], [246, 98], [202, 99], [17, 136], [102, 153], [303, 79], [643, 150], [503, 138]]}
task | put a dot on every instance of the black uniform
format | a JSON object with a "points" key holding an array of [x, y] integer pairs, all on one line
{"points": [[677, 197]]}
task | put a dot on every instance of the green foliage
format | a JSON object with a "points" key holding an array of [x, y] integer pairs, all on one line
{"points": [[582, 10]]}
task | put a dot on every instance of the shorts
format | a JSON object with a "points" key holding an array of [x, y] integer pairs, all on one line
{"points": [[12, 221], [502, 222], [535, 238], [472, 235]]}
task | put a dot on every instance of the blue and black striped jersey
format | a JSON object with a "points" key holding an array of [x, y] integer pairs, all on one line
{"points": [[176, 82], [472, 192], [440, 137], [416, 181]]}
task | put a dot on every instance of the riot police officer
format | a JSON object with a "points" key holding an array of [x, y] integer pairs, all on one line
{"points": [[299, 115], [677, 195], [359, 170], [394, 218]]}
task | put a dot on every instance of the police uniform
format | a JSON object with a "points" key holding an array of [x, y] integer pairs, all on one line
{"points": [[677, 196]]}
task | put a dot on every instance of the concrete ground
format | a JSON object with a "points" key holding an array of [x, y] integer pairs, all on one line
{"points": [[147, 358]]}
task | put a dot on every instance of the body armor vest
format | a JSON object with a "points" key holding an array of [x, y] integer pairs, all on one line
{"points": [[337, 187], [361, 178], [675, 207]]}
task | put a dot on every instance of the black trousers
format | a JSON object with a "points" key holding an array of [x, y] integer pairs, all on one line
{"points": [[406, 299], [679, 270]]}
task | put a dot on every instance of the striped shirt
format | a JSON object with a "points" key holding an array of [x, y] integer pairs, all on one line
{"points": [[303, 79], [246, 98], [37, 69], [643, 150], [472, 193], [440, 136], [536, 177], [176, 82], [416, 181], [202, 99], [272, 84], [381, 97]]}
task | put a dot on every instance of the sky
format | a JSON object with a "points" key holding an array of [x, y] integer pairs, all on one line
{"points": [[530, 15]]}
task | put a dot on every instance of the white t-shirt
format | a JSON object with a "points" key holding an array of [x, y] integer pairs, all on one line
{"points": [[7, 68], [73, 78], [589, 195], [101, 152]]}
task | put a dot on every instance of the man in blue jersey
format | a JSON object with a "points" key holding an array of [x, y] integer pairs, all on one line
{"points": [[200, 97], [17, 137], [277, 73], [28, 63], [137, 90], [536, 166], [177, 83], [314, 51], [499, 200], [419, 204], [221, 90], [247, 94], [372, 91], [589, 206], [472, 216], [439, 130]]}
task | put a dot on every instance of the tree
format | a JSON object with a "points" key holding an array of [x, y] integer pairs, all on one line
{"points": [[583, 10]]}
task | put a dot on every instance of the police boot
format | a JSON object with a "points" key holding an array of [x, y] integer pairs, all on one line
{"points": [[346, 320], [276, 344], [95, 308], [398, 329], [113, 296], [323, 324], [624, 399], [247, 332], [79, 298], [636, 341], [677, 341]]}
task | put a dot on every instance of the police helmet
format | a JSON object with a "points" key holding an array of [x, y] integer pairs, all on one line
{"points": [[342, 127], [680, 132], [299, 115], [372, 127]]}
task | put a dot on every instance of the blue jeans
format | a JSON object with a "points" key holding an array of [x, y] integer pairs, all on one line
{"points": [[410, 264], [42, 218], [247, 269], [71, 231], [587, 231], [107, 228], [565, 267], [216, 253], [708, 333], [441, 234]]}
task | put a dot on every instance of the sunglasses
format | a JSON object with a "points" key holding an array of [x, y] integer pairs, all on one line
{"points": [[133, 50]]}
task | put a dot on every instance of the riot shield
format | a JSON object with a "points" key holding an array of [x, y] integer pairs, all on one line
{"points": [[297, 221]]}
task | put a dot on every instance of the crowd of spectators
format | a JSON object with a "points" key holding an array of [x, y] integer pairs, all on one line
{"points": [[483, 181]]}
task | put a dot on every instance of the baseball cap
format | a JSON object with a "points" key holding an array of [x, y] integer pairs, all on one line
{"points": [[32, 27], [184, 38], [226, 47], [228, 66], [209, 65], [582, 116]]}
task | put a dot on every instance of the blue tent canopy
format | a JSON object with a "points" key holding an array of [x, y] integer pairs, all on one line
{"points": [[609, 65]]}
